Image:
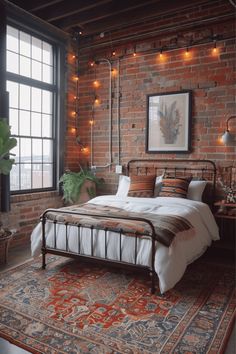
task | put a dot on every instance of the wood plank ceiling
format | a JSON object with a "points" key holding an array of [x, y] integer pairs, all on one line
{"points": [[93, 18]]}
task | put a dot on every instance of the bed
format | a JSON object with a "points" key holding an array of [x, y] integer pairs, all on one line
{"points": [[160, 233]]}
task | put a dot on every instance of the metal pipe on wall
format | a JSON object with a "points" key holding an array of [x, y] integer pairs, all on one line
{"points": [[118, 109], [110, 119]]}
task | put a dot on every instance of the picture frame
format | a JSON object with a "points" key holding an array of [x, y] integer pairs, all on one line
{"points": [[168, 128]]}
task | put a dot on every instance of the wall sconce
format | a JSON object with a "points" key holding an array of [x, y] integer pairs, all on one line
{"points": [[228, 137]]}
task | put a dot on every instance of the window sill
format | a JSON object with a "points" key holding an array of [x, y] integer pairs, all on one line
{"points": [[34, 196]]}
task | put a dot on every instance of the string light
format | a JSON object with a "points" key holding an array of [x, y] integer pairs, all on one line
{"points": [[215, 49], [187, 52], [96, 83], [96, 99], [73, 130]]}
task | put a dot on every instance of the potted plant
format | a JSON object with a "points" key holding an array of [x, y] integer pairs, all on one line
{"points": [[79, 187], [6, 144]]}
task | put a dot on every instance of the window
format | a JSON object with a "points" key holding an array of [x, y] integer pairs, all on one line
{"points": [[31, 83]]}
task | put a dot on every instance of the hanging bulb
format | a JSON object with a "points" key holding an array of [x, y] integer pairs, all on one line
{"points": [[215, 49], [96, 83], [114, 53], [187, 52]]}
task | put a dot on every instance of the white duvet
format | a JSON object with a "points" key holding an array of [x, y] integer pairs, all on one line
{"points": [[170, 263]]}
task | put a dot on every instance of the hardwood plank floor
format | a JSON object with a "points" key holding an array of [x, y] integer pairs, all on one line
{"points": [[19, 255]]}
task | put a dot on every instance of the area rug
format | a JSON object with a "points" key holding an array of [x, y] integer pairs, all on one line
{"points": [[76, 308]]}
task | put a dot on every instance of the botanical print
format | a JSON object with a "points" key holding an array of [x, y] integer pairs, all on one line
{"points": [[168, 122]]}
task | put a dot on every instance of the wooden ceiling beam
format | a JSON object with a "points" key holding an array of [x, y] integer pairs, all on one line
{"points": [[137, 16], [69, 8], [112, 10], [33, 6]]}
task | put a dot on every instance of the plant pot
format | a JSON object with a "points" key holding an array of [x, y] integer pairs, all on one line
{"points": [[88, 191]]}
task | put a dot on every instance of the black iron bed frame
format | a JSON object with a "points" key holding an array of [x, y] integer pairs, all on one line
{"points": [[203, 169]]}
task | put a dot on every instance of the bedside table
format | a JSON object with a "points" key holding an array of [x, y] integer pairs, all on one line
{"points": [[225, 215], [225, 210]]}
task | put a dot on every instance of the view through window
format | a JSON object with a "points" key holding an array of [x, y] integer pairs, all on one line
{"points": [[32, 94]]}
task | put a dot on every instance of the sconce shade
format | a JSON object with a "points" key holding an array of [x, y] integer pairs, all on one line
{"points": [[227, 137]]}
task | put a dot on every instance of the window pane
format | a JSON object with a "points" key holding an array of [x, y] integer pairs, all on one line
{"points": [[25, 171], [47, 53], [36, 124], [24, 123], [47, 102], [36, 49], [13, 120], [24, 97], [14, 178], [36, 99], [25, 44], [47, 126], [47, 74], [31, 109], [25, 150], [25, 66], [47, 151], [12, 39], [12, 88], [47, 175], [37, 176], [37, 150], [13, 62], [36, 70]]}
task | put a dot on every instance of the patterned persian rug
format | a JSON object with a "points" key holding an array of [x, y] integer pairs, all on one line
{"points": [[77, 308]]}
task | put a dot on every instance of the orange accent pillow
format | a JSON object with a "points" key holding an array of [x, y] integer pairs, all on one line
{"points": [[175, 187], [142, 186]]}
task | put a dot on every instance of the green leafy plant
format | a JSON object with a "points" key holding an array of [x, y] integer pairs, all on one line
{"points": [[6, 144], [72, 183]]}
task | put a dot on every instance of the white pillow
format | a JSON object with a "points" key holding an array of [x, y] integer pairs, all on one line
{"points": [[195, 190], [157, 188], [124, 183], [123, 186]]}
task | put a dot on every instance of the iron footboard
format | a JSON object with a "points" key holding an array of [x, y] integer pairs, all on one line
{"points": [[78, 255]]}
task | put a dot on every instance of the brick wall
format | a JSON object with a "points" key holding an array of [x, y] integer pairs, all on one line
{"points": [[210, 76]]}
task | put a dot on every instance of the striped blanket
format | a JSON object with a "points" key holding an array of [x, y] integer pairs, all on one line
{"points": [[166, 227]]}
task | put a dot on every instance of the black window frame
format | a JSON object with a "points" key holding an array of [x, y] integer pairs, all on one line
{"points": [[25, 22]]}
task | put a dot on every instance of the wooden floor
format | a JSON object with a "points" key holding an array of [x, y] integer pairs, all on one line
{"points": [[18, 256]]}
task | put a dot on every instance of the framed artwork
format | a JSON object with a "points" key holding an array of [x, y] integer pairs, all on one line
{"points": [[169, 122]]}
